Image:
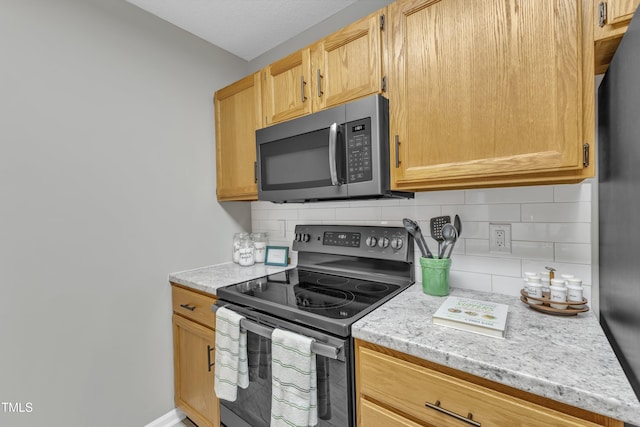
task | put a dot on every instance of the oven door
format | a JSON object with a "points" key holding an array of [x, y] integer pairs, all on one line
{"points": [[303, 159], [335, 373]]}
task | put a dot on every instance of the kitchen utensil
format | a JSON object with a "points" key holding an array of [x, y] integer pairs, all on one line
{"points": [[436, 225], [450, 235], [457, 223], [414, 229]]}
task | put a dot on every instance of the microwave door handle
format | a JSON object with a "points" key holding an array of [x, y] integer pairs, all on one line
{"points": [[333, 146]]}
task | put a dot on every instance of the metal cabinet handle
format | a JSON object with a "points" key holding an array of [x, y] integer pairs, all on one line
{"points": [[209, 363], [397, 151], [468, 419], [319, 84], [302, 85], [188, 307]]}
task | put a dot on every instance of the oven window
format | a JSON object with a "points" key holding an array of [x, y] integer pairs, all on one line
{"points": [[296, 162], [253, 405]]}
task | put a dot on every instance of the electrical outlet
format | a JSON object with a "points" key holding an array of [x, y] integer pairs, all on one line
{"points": [[500, 238]]}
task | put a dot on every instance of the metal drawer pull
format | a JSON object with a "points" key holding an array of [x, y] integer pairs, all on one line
{"points": [[318, 348], [188, 307], [209, 350], [468, 419]]}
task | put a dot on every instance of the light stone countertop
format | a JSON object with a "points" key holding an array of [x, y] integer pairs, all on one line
{"points": [[209, 279], [564, 358]]}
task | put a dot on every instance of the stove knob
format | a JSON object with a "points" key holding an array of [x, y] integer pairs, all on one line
{"points": [[371, 241], [383, 242], [396, 243], [298, 237], [306, 237]]}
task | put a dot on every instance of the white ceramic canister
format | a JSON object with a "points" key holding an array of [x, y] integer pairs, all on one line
{"points": [[533, 287], [260, 244], [558, 293], [575, 291]]}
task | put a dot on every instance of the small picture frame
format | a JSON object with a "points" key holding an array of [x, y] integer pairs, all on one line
{"points": [[277, 255]]}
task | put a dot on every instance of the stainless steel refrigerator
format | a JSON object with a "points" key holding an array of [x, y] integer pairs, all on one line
{"points": [[619, 202]]}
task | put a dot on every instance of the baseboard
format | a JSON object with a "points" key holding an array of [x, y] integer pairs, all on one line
{"points": [[169, 419]]}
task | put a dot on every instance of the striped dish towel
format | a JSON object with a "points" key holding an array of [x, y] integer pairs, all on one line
{"points": [[231, 369], [293, 380]]}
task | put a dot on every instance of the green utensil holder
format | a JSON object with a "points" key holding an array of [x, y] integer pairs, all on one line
{"points": [[435, 276]]}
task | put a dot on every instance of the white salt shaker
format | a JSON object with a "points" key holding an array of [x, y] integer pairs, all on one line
{"points": [[558, 293]]}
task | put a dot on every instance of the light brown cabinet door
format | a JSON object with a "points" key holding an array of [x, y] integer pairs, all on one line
{"points": [[348, 64], [610, 25], [193, 358], [620, 10], [288, 87], [238, 114], [484, 93]]}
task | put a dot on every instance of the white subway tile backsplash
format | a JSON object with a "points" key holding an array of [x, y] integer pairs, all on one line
{"points": [[467, 280], [573, 192], [552, 232], [506, 285], [437, 198], [576, 253], [510, 195], [317, 214], [556, 212], [487, 265], [371, 213], [550, 226], [497, 212], [532, 250]]}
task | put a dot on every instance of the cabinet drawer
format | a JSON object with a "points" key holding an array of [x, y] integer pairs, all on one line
{"points": [[374, 415], [194, 306], [409, 387]]}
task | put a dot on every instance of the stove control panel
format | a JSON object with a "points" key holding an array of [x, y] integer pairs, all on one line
{"points": [[392, 243]]}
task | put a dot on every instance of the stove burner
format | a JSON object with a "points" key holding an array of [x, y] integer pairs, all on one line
{"points": [[332, 281], [321, 298], [372, 287]]}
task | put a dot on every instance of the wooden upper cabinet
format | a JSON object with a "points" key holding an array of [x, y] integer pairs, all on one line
{"points": [[238, 114], [486, 93], [342, 67], [610, 21], [348, 64], [288, 87]]}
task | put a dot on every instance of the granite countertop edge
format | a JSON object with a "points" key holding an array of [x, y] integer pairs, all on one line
{"points": [[393, 326], [600, 387]]}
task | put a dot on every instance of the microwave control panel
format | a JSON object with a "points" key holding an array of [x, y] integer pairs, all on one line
{"points": [[359, 151]]}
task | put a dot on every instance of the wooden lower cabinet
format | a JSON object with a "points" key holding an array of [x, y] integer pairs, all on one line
{"points": [[395, 389], [194, 356]]}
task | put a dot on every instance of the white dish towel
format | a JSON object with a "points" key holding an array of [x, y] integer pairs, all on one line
{"points": [[231, 369], [293, 380]]}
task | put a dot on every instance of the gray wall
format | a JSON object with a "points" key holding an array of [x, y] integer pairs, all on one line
{"points": [[107, 185]]}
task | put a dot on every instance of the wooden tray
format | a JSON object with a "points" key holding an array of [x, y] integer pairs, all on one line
{"points": [[545, 307]]}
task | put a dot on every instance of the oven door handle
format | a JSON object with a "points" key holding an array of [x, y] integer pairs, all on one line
{"points": [[319, 348]]}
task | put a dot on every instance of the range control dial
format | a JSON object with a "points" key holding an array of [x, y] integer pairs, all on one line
{"points": [[371, 241], [383, 242], [397, 243]]}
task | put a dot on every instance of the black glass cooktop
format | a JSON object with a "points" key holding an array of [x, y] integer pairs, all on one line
{"points": [[324, 295]]}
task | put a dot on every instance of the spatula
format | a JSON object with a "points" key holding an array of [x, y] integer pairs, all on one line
{"points": [[436, 225]]}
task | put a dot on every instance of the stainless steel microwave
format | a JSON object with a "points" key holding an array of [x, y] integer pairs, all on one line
{"points": [[338, 153]]}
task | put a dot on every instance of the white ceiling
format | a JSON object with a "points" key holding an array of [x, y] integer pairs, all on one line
{"points": [[246, 28]]}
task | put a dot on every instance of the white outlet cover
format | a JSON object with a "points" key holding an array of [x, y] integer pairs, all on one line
{"points": [[500, 238]]}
